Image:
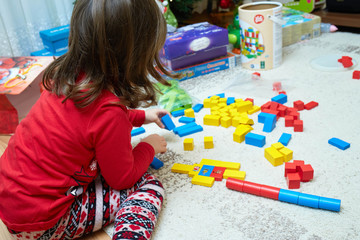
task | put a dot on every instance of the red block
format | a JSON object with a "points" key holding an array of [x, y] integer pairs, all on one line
{"points": [[356, 74], [311, 105], [269, 192], [298, 163], [274, 106], [289, 121], [282, 110], [298, 126], [252, 188], [306, 172], [289, 168], [299, 105], [346, 61], [272, 112], [265, 106], [218, 173], [250, 99], [295, 114], [235, 184], [293, 180], [8, 116]]}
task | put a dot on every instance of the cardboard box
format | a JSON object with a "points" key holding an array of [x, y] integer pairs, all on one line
{"points": [[194, 44], [215, 65], [299, 26], [56, 39], [47, 53]]}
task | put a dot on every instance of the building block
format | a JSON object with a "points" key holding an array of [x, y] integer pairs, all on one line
{"points": [[346, 61], [293, 180], [230, 100], [255, 139], [235, 184], [287, 153], [168, 123], [329, 204], [178, 113], [274, 156], [298, 126], [308, 200], [277, 86], [195, 170], [137, 131], [221, 95], [306, 173], [288, 196], [285, 138], [339, 143], [252, 188], [212, 120], [234, 174], [244, 106], [253, 110], [186, 120], [277, 145], [217, 163], [281, 98], [356, 74], [156, 163], [188, 144], [289, 168], [269, 192], [270, 123], [181, 168], [189, 113], [289, 121], [240, 133], [311, 105], [206, 170], [250, 99], [218, 173], [299, 105], [203, 181], [225, 122], [180, 128], [198, 107], [207, 103], [190, 130], [208, 142]]}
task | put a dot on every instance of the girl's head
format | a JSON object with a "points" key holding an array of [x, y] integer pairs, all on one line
{"points": [[116, 44]]}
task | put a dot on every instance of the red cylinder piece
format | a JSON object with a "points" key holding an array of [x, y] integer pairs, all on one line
{"points": [[269, 192], [235, 184], [252, 188]]}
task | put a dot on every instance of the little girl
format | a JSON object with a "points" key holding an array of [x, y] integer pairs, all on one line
{"points": [[70, 168]]}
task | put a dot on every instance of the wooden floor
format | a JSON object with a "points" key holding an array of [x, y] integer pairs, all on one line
{"points": [[4, 234]]}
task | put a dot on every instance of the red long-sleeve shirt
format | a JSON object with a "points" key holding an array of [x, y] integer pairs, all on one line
{"points": [[58, 149]]}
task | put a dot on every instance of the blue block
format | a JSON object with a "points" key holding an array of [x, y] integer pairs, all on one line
{"points": [[56, 39], [186, 120], [137, 131], [222, 95], [169, 124], [206, 170], [255, 139], [198, 107], [270, 122], [190, 130], [288, 196], [308, 200], [230, 100], [180, 128], [178, 113], [262, 117], [156, 163], [281, 98], [285, 139], [339, 143], [331, 204], [45, 52]]}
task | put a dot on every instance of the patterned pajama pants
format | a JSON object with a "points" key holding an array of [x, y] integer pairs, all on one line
{"points": [[134, 211]]}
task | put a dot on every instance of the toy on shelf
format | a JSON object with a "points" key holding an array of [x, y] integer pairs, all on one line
{"points": [[284, 195]]}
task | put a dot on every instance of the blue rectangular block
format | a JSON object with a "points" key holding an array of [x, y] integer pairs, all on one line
{"points": [[308, 200], [156, 163], [222, 95], [285, 139], [169, 124], [180, 128], [186, 120], [262, 117], [190, 130], [56, 39], [331, 204], [269, 123], [339, 143], [288, 196], [137, 131], [281, 98], [198, 107], [255, 139], [230, 100], [178, 113], [206, 170]]}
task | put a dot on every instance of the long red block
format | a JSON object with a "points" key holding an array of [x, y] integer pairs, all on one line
{"points": [[311, 105], [235, 184], [252, 188], [269, 192]]}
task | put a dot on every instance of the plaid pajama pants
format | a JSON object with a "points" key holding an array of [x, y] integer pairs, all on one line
{"points": [[133, 210]]}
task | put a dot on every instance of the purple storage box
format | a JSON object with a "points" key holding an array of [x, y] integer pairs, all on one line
{"points": [[194, 44]]}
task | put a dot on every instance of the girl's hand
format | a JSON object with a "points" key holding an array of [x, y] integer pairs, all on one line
{"points": [[157, 142], [155, 115]]}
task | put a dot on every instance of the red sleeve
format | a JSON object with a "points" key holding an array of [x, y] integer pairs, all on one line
{"points": [[120, 164], [137, 117]]}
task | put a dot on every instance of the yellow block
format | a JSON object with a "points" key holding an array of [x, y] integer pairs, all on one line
{"points": [[206, 103], [215, 97], [223, 100], [225, 122], [222, 104], [189, 112], [203, 180], [181, 168], [244, 106], [243, 127], [208, 142], [195, 169], [188, 144], [254, 109], [238, 100], [213, 102], [288, 154], [214, 109], [234, 174], [217, 163], [277, 145], [235, 121], [212, 120], [247, 121], [274, 156], [240, 132]]}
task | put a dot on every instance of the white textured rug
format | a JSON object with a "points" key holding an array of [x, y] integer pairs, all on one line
{"points": [[197, 212]]}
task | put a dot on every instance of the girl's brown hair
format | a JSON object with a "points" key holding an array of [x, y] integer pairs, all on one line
{"points": [[116, 44]]}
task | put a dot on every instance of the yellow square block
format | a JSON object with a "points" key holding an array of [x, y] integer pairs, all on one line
{"points": [[239, 134], [217, 163], [234, 174], [195, 169], [207, 103], [224, 114], [277, 145], [214, 108], [189, 112], [238, 100], [203, 180], [212, 120], [254, 109], [225, 122], [288, 154], [208, 142], [274, 156], [213, 102], [181, 168], [215, 113], [188, 144], [223, 100], [235, 121], [222, 104], [215, 97], [244, 106]]}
